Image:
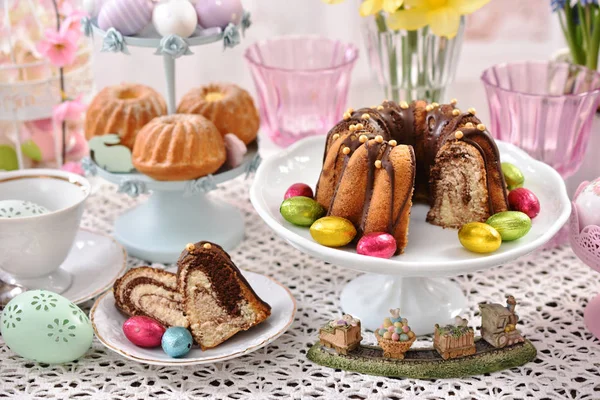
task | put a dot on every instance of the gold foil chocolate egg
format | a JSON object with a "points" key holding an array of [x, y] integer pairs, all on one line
{"points": [[333, 231], [512, 175], [301, 211], [511, 225], [479, 237]]}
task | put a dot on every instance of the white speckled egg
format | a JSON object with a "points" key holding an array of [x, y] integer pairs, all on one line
{"points": [[20, 209], [175, 17], [43, 326], [127, 16]]}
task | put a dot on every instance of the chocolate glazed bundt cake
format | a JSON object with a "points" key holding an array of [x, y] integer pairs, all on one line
{"points": [[375, 157]]}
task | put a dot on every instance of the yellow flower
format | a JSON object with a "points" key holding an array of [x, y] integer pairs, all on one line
{"points": [[370, 7], [443, 16]]}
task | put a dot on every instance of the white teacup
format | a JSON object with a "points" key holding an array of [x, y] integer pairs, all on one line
{"points": [[32, 248]]}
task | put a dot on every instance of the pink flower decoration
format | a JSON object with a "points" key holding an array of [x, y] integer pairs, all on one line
{"points": [[73, 20], [69, 110], [60, 47]]}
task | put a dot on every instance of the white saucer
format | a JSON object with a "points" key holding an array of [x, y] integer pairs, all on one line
{"points": [[92, 266], [108, 321]]}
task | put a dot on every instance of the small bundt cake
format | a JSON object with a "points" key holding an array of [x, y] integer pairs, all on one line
{"points": [[228, 106], [457, 167], [123, 109], [178, 147]]}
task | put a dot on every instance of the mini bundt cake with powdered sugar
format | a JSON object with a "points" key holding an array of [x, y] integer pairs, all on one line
{"points": [[123, 109], [456, 168]]}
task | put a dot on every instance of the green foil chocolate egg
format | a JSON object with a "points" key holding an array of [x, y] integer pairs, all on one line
{"points": [[479, 237], [511, 225], [301, 211], [512, 175], [333, 231]]}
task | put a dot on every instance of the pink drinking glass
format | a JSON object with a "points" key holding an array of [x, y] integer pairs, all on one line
{"points": [[302, 84], [545, 108]]}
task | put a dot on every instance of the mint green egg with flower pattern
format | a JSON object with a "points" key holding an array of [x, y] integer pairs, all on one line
{"points": [[45, 327]]}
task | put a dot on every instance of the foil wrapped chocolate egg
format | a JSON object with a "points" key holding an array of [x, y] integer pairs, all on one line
{"points": [[177, 341], [377, 244], [524, 200], [512, 175], [511, 225], [143, 331], [479, 237], [332, 231], [298, 189], [301, 211]]}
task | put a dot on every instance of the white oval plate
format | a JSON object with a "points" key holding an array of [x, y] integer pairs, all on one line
{"points": [[431, 250], [107, 322]]}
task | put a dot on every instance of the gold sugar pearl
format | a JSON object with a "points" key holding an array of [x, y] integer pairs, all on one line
{"points": [[190, 247], [352, 128], [456, 112], [347, 115], [453, 101], [435, 105], [336, 136], [359, 126], [346, 150], [404, 105], [429, 108], [378, 164], [481, 127], [469, 125], [379, 139], [393, 143], [379, 108], [350, 110], [207, 246], [363, 138], [458, 134], [365, 116], [472, 111]]}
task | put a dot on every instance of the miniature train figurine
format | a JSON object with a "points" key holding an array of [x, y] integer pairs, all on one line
{"points": [[453, 341], [343, 335], [498, 323]]}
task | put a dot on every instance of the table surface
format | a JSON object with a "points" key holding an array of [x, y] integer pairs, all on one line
{"points": [[552, 286]]}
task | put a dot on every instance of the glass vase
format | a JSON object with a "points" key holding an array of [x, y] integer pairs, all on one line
{"points": [[411, 65]]}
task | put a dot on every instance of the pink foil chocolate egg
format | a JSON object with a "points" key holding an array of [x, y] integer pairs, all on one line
{"points": [[377, 244], [219, 13], [126, 16], [298, 189], [143, 331], [524, 200]]}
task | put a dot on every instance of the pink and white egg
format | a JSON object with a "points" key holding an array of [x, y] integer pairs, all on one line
{"points": [[178, 17], [587, 201]]}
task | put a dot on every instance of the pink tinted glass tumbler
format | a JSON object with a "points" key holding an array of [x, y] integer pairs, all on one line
{"points": [[302, 84], [545, 108]]}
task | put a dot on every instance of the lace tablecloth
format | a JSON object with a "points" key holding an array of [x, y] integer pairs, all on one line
{"points": [[553, 288]]}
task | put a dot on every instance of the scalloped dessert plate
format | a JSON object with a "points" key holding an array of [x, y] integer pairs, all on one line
{"points": [[107, 322], [431, 250]]}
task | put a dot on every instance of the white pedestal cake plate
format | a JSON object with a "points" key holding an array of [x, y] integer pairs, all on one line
{"points": [[177, 213], [416, 280]]}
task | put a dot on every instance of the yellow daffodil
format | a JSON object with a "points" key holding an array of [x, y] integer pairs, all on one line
{"points": [[443, 16], [370, 7]]}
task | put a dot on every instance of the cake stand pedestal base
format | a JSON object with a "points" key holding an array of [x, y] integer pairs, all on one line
{"points": [[423, 301], [159, 229], [592, 316]]}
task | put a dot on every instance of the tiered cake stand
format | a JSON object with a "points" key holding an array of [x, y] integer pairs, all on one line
{"points": [[180, 212], [415, 281]]}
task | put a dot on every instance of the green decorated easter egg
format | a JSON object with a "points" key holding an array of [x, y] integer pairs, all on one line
{"points": [[301, 211], [511, 225], [45, 327]]}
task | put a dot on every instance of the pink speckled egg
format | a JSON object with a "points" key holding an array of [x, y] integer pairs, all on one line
{"points": [[298, 189], [395, 337], [127, 16], [377, 244], [143, 331], [218, 13], [406, 329], [391, 329]]}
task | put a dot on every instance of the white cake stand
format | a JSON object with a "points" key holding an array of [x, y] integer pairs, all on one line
{"points": [[416, 280], [177, 213]]}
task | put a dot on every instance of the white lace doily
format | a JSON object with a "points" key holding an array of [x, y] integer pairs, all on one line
{"points": [[553, 288]]}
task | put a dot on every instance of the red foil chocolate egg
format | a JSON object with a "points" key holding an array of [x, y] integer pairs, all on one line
{"points": [[524, 200], [298, 189], [143, 331], [377, 244]]}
